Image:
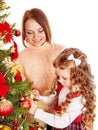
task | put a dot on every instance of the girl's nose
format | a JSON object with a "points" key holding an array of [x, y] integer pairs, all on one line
{"points": [[60, 80]]}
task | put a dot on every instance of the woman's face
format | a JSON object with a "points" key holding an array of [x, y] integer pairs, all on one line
{"points": [[35, 34], [63, 76]]}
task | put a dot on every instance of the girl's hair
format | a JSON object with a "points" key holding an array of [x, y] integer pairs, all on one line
{"points": [[79, 75], [39, 16]]}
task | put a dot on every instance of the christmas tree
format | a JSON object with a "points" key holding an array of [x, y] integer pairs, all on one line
{"points": [[14, 91]]}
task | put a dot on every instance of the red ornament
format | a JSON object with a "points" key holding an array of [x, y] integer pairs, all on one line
{"points": [[18, 76], [15, 54], [26, 103], [15, 125], [6, 107], [32, 128], [17, 33]]}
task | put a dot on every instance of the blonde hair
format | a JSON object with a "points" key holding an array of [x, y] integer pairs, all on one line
{"points": [[82, 76]]}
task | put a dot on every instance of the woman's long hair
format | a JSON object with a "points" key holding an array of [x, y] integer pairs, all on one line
{"points": [[39, 16]]}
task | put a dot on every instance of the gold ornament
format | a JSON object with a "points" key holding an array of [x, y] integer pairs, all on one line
{"points": [[3, 5], [4, 127]]}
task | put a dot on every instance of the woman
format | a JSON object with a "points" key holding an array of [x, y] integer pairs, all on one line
{"points": [[36, 59]]}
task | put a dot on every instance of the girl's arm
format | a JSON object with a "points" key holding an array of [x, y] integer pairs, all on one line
{"points": [[48, 99], [73, 111], [45, 99]]}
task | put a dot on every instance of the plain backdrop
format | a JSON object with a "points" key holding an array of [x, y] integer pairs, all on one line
{"points": [[73, 22]]}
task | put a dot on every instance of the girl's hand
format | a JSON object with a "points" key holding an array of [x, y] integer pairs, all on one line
{"points": [[34, 107], [36, 94]]}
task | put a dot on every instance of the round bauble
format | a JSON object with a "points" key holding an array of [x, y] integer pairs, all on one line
{"points": [[26, 103], [5, 127], [17, 33], [6, 107]]}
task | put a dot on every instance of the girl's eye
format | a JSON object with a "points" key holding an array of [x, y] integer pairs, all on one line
{"points": [[64, 78], [57, 77]]}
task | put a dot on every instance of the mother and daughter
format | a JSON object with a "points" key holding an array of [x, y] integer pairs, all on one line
{"points": [[74, 94], [61, 77]]}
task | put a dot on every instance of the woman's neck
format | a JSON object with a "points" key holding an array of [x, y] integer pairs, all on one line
{"points": [[45, 46]]}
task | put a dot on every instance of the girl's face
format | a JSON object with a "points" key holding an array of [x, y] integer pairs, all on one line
{"points": [[35, 34], [64, 77]]}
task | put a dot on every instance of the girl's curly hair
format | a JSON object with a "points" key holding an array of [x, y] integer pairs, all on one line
{"points": [[79, 75]]}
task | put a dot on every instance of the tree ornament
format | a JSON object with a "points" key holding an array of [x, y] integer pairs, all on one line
{"points": [[25, 103], [15, 124], [17, 33], [32, 128], [3, 5], [6, 107], [12, 85], [5, 127]]}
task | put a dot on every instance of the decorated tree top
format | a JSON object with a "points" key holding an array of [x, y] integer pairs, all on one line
{"points": [[3, 8], [13, 90]]}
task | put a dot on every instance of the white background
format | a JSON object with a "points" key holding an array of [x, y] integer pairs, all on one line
{"points": [[73, 22]]}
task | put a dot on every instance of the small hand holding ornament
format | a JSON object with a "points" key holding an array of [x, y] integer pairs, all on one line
{"points": [[26, 100], [35, 95], [33, 107]]}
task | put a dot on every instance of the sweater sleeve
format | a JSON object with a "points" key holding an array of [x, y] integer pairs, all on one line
{"points": [[73, 111], [47, 99]]}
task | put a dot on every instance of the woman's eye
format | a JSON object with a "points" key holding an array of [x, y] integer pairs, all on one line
{"points": [[40, 31], [29, 32]]}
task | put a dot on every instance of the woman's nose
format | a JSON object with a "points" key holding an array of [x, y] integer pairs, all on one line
{"points": [[35, 35]]}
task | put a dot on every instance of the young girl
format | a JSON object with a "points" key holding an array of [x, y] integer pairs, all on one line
{"points": [[74, 109]]}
